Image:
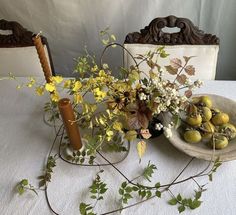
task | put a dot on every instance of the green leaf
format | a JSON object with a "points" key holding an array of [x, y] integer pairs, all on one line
{"points": [[24, 182], [82, 160], [125, 201], [103, 190], [148, 171], [128, 189], [173, 201], [149, 194], [82, 208], [135, 188], [124, 184], [143, 193], [210, 177], [100, 198], [42, 183], [128, 196], [198, 194], [163, 54], [93, 197], [181, 208], [157, 185], [121, 191], [195, 204], [179, 197], [158, 194], [20, 190]]}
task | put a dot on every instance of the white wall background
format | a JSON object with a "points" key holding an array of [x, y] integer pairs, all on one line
{"points": [[71, 24]]}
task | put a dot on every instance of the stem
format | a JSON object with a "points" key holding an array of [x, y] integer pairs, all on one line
{"points": [[180, 72]]}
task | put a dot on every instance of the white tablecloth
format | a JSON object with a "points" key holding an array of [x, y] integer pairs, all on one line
{"points": [[26, 140]]}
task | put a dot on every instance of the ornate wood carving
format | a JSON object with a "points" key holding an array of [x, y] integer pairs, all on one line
{"points": [[188, 34], [20, 37]]}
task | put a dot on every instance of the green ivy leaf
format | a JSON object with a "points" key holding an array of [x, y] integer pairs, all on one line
{"points": [[158, 194], [121, 191], [173, 201], [198, 194], [181, 208], [128, 189], [124, 184], [179, 197]]}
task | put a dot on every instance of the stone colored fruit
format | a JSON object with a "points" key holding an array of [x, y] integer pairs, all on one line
{"points": [[192, 136], [206, 114], [220, 142], [206, 101], [229, 130], [208, 130], [220, 119], [194, 120]]}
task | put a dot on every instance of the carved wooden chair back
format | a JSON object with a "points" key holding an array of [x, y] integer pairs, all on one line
{"points": [[18, 54], [189, 41]]}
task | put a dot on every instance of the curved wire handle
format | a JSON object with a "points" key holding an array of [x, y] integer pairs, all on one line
{"points": [[118, 44]]}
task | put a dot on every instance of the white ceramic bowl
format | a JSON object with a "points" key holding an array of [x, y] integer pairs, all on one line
{"points": [[201, 150]]}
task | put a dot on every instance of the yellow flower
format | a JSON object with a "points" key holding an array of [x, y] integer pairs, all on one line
{"points": [[67, 84], [99, 94], [55, 96], [50, 87], [39, 91], [102, 73], [31, 83], [78, 98], [109, 134], [95, 68], [77, 86], [117, 126], [57, 79]]}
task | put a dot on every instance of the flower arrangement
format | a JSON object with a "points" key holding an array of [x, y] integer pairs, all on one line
{"points": [[130, 103], [113, 110]]}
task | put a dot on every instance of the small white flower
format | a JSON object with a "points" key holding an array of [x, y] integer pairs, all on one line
{"points": [[158, 126], [198, 83], [168, 103], [142, 96], [167, 132], [105, 66], [157, 100]]}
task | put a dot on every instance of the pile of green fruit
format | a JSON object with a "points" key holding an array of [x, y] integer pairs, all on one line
{"points": [[204, 122]]}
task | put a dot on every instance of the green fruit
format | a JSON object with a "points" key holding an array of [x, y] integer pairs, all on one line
{"points": [[194, 120], [208, 130], [206, 101], [229, 130], [215, 111], [196, 100], [206, 114], [220, 119], [192, 136], [220, 142]]}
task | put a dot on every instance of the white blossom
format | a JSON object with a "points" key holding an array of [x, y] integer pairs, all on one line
{"points": [[158, 126], [105, 66], [142, 96], [167, 131], [198, 83]]}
